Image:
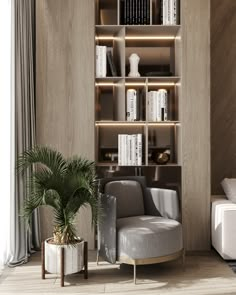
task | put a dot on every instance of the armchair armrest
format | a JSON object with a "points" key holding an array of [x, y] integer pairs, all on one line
{"points": [[107, 228], [162, 202]]}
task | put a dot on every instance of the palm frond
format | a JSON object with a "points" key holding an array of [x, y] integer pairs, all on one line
{"points": [[50, 158]]}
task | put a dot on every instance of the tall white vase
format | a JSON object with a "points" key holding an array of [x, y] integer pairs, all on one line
{"points": [[134, 61]]}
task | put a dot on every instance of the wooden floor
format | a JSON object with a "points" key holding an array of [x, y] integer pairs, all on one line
{"points": [[207, 274]]}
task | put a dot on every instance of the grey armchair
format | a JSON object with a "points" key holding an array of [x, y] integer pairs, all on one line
{"points": [[140, 225]]}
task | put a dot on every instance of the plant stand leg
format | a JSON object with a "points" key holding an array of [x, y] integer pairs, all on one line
{"points": [[86, 260], [62, 266], [183, 259], [43, 261], [134, 272]]}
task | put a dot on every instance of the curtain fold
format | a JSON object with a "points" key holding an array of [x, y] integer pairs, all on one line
{"points": [[23, 240]]}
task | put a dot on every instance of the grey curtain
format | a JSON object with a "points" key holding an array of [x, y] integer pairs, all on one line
{"points": [[23, 239]]}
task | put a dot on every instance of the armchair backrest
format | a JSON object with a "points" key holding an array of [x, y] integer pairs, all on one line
{"points": [[129, 197], [129, 194]]}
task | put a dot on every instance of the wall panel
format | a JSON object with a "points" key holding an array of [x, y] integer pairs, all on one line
{"points": [[65, 85], [195, 115], [223, 92]]}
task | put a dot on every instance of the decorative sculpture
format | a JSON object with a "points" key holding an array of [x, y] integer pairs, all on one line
{"points": [[134, 60]]}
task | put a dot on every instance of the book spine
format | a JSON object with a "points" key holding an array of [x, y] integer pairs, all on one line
{"points": [[119, 149], [171, 5], [163, 104], [148, 12], [158, 106], [131, 105], [161, 12], [145, 12], [137, 110], [125, 11], [133, 149], [103, 60], [165, 3], [97, 62], [142, 10], [139, 144], [154, 106], [123, 149], [151, 106], [168, 12], [131, 12], [139, 12], [128, 12], [130, 150], [136, 12]]}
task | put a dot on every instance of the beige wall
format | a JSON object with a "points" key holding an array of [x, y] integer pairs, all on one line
{"points": [[223, 92], [65, 85], [195, 115]]}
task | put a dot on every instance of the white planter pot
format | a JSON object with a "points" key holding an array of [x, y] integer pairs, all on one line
{"points": [[73, 257]]}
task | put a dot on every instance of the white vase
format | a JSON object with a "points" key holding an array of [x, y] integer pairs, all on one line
{"points": [[134, 60], [73, 257]]}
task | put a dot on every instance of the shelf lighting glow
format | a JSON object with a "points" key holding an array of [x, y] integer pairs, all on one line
{"points": [[137, 38], [149, 37], [137, 84], [135, 124]]}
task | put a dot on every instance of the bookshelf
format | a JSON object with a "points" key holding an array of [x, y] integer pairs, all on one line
{"points": [[159, 49]]}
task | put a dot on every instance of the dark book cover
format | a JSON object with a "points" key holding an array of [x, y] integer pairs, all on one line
{"points": [[136, 12], [128, 12], [139, 12], [111, 63], [124, 12], [131, 12], [161, 12], [148, 12], [144, 12]]}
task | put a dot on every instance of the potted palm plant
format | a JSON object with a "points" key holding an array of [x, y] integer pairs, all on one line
{"points": [[65, 185]]}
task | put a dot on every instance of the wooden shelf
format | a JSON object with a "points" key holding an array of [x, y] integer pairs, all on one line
{"points": [[105, 164], [104, 123]]}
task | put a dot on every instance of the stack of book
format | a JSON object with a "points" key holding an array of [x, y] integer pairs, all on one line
{"points": [[104, 57], [136, 12], [170, 12], [130, 150], [134, 105], [158, 105]]}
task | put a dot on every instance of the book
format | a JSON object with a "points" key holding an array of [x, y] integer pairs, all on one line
{"points": [[111, 62], [144, 12], [128, 12], [124, 12], [139, 149], [163, 104], [132, 105], [119, 150], [148, 12], [131, 12], [129, 149], [101, 61], [158, 106]]}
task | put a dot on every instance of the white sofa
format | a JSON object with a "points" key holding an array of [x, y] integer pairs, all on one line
{"points": [[223, 227]]}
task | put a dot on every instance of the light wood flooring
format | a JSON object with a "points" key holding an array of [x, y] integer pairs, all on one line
{"points": [[206, 274]]}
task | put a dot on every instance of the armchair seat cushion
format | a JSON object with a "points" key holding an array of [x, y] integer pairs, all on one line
{"points": [[145, 236]]}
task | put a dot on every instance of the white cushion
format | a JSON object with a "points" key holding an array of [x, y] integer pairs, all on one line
{"points": [[229, 187], [223, 229]]}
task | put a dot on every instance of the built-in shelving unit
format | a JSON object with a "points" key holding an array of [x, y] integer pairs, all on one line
{"points": [[158, 47]]}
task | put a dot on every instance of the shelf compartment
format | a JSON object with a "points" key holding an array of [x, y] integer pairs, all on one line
{"points": [[160, 139], [172, 100], [116, 45], [110, 102], [106, 12], [107, 142]]}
